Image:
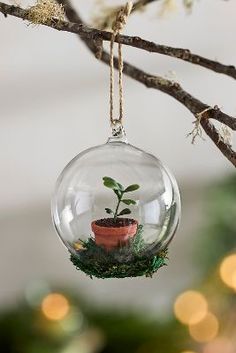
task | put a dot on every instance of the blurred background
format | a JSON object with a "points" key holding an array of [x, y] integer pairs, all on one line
{"points": [[54, 104]]}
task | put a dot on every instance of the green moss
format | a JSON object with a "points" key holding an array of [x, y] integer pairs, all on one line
{"points": [[127, 261]]}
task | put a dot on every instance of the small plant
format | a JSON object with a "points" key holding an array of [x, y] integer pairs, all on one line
{"points": [[120, 191], [116, 231]]}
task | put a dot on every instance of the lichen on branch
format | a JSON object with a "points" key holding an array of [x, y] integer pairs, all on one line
{"points": [[197, 130], [45, 11]]}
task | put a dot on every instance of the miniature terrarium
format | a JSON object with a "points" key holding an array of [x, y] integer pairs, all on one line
{"points": [[116, 208]]}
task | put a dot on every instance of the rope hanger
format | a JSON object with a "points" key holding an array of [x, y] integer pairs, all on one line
{"points": [[118, 25]]}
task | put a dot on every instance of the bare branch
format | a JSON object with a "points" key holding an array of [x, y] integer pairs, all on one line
{"points": [[93, 34], [169, 87], [214, 135], [191, 103]]}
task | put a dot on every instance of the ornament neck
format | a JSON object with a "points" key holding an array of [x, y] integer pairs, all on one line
{"points": [[118, 132]]}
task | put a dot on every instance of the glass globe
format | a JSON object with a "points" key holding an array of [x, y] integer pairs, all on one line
{"points": [[116, 209]]}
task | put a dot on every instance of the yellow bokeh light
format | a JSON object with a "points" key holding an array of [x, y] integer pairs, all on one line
{"points": [[220, 345], [228, 271], [190, 307], [55, 306], [205, 330]]}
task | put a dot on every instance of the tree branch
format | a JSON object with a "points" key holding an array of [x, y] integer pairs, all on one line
{"points": [[141, 3], [171, 88], [191, 103], [88, 33], [214, 135]]}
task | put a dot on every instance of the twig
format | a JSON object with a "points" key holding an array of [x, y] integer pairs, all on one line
{"points": [[169, 87], [133, 41], [175, 90], [225, 148]]}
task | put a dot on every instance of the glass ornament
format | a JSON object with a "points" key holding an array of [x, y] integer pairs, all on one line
{"points": [[116, 208]]}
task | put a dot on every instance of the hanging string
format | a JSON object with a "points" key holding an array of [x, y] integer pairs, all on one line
{"points": [[121, 97], [112, 78], [118, 25]]}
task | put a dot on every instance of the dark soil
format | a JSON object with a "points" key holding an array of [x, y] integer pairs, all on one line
{"points": [[119, 222]]}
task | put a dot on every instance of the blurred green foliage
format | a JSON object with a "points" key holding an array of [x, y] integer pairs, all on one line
{"points": [[218, 234], [21, 332], [136, 334]]}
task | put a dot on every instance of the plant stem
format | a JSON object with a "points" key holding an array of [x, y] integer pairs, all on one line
{"points": [[117, 207]]}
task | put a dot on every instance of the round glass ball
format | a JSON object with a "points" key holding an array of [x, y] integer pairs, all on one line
{"points": [[116, 209]]}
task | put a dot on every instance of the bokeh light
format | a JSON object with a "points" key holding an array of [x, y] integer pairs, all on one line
{"points": [[55, 306], [219, 345], [188, 352], [228, 271], [205, 330], [190, 307]]}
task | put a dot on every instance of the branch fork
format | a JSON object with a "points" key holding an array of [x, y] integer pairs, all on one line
{"points": [[94, 38]]}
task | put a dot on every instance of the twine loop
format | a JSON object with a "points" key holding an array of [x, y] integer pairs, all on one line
{"points": [[118, 25]]}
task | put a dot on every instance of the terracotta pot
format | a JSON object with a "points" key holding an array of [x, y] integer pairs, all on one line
{"points": [[112, 237]]}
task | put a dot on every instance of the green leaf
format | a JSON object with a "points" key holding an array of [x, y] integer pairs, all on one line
{"points": [[124, 211], [110, 183], [132, 187], [121, 187], [109, 211], [129, 202], [118, 193]]}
